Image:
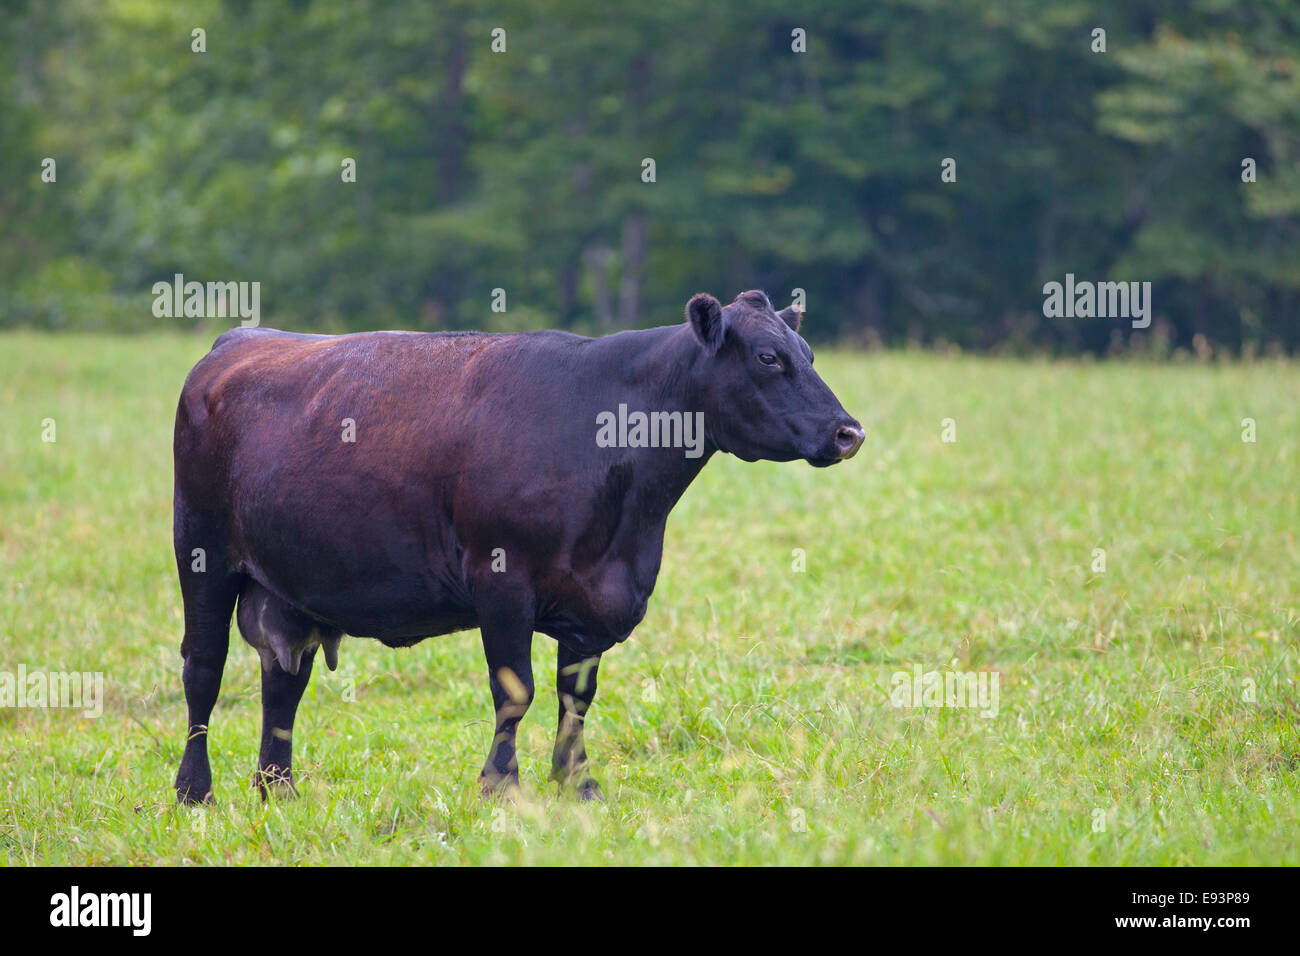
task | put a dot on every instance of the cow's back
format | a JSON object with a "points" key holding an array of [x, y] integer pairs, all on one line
{"points": [[252, 367]]}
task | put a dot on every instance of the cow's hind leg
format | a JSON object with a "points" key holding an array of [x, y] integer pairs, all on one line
{"points": [[209, 593], [281, 692], [287, 640], [575, 684]]}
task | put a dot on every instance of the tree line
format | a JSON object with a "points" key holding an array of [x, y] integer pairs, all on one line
{"points": [[915, 170]]}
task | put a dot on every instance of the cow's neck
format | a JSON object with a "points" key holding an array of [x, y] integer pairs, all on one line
{"points": [[658, 366]]}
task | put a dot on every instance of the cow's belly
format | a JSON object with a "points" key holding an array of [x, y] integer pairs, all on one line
{"points": [[397, 625], [396, 611], [397, 582]]}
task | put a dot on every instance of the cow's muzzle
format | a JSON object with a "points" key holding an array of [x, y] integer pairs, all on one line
{"points": [[844, 444], [848, 439]]}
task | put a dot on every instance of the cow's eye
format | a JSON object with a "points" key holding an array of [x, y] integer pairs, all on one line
{"points": [[767, 358]]}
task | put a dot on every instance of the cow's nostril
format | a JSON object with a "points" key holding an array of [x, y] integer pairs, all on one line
{"points": [[848, 440]]}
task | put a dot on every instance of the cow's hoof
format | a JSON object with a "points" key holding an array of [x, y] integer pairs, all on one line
{"points": [[584, 788], [185, 796], [274, 782], [590, 790], [496, 786]]}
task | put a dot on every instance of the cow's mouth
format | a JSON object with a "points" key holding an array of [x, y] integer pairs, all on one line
{"points": [[822, 462]]}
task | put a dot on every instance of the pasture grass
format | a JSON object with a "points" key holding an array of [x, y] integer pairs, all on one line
{"points": [[1147, 713]]}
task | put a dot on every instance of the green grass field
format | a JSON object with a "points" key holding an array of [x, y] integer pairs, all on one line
{"points": [[1147, 713]]}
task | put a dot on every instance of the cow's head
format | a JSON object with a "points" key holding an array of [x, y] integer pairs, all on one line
{"points": [[756, 382]]}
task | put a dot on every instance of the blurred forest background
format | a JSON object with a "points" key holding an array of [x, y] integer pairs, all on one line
{"points": [[522, 169]]}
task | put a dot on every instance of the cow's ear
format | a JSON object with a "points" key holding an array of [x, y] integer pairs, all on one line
{"points": [[704, 312], [791, 316]]}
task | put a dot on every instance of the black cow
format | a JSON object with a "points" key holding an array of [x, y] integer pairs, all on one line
{"points": [[400, 485]]}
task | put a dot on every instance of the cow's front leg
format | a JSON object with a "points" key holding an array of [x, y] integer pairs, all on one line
{"points": [[506, 623], [575, 684]]}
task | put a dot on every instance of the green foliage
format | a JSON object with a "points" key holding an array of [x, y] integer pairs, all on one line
{"points": [[522, 169]]}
